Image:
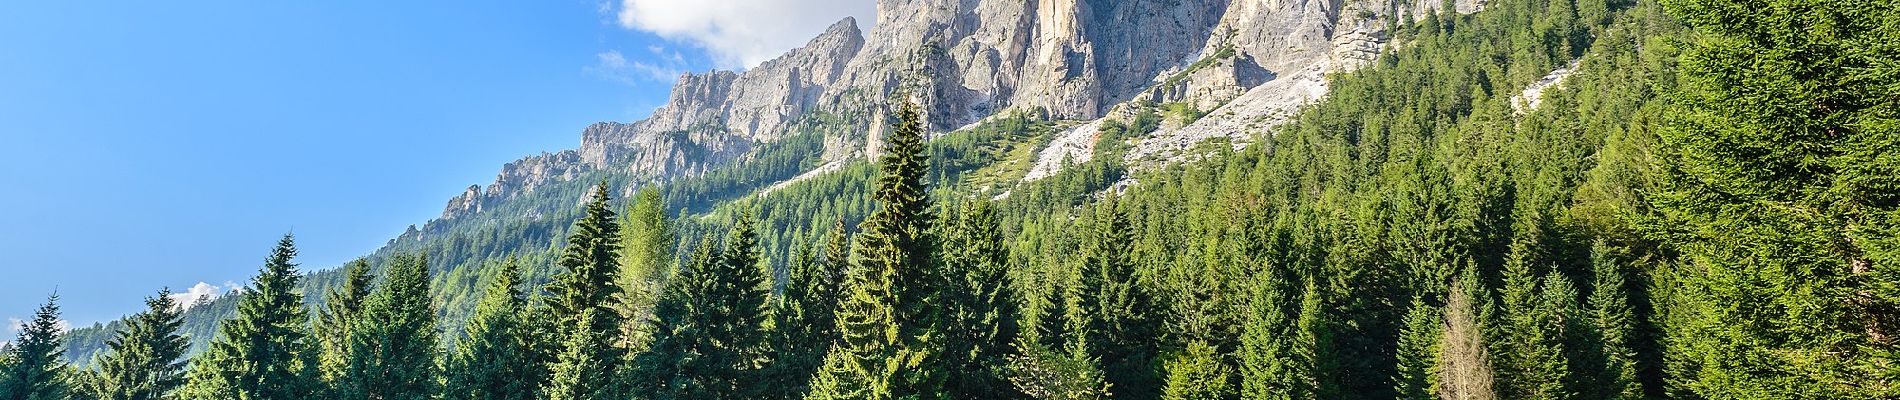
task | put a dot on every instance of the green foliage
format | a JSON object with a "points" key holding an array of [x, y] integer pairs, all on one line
{"points": [[583, 304], [710, 332], [1781, 190], [886, 320], [804, 316], [1042, 373], [342, 307], [981, 318], [393, 344], [495, 361], [146, 359], [33, 368], [267, 351], [1197, 374]]}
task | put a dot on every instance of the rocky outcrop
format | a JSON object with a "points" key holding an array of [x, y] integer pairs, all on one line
{"points": [[1252, 62]]}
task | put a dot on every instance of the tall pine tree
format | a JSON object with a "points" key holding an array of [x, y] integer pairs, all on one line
{"points": [[981, 323], [340, 309], [495, 362], [584, 304], [145, 358], [393, 344], [886, 322], [266, 351], [35, 370]]}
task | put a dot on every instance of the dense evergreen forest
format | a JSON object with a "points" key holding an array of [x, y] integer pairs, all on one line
{"points": [[1708, 209]]}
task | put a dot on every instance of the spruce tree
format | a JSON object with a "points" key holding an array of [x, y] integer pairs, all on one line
{"points": [[1612, 320], [886, 321], [982, 319], [265, 352], [580, 370], [340, 309], [1274, 364], [35, 369], [667, 369], [584, 304], [1780, 186], [804, 316], [1118, 320], [393, 344], [1197, 373], [145, 358], [1419, 351], [733, 306], [495, 362]]}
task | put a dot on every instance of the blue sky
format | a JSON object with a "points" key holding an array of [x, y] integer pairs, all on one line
{"points": [[149, 144]]}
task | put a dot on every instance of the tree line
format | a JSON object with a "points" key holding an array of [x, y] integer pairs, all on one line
{"points": [[1707, 210]]}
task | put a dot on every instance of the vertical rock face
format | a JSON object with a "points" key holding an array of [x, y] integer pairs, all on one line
{"points": [[966, 60]]}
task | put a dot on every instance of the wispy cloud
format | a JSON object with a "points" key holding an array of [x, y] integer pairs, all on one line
{"points": [[614, 66], [741, 33]]}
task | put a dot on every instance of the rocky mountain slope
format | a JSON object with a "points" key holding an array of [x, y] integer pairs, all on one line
{"points": [[1248, 63]]}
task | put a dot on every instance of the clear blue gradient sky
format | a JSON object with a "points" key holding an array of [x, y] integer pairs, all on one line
{"points": [[151, 144]]}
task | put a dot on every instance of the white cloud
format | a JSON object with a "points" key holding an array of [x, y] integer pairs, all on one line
{"points": [[742, 33], [204, 291], [613, 66]]}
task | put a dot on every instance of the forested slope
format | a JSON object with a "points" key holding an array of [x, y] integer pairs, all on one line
{"points": [[1705, 208]]}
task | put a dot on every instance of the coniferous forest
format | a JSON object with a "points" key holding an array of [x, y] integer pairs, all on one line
{"points": [[1708, 209]]}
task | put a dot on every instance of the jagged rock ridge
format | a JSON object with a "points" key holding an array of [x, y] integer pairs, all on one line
{"points": [[1250, 62]]}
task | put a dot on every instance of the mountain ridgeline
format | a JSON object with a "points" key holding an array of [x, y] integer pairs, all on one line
{"points": [[1507, 199]]}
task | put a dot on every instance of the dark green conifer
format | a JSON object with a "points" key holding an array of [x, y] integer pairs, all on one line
{"points": [[35, 369], [145, 360], [266, 351], [584, 304], [982, 319], [887, 321], [393, 344], [495, 361]]}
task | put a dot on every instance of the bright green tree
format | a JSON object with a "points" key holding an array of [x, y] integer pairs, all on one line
{"points": [[1197, 373], [1781, 188], [1613, 322], [393, 344], [646, 259], [145, 360], [35, 370], [1419, 351], [340, 310], [266, 351], [495, 362]]}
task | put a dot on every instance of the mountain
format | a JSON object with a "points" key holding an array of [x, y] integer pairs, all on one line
{"points": [[1223, 72]]}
